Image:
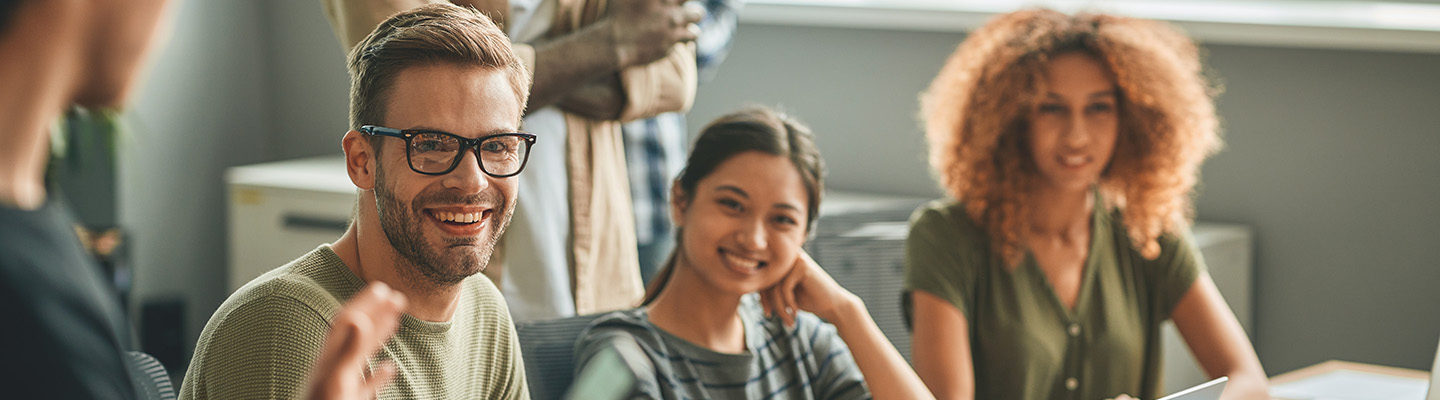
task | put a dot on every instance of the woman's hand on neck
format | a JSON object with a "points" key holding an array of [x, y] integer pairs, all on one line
{"points": [[698, 312]]}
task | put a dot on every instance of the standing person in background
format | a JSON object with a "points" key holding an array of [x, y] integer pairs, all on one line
{"points": [[573, 244], [1070, 146], [746, 202], [67, 332], [655, 147]]}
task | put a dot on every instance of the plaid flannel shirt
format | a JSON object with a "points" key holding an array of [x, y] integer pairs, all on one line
{"points": [[655, 148]]}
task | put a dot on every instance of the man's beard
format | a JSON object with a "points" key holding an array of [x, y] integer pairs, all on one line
{"points": [[436, 265]]}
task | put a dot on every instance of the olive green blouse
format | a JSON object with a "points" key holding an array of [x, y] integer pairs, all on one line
{"points": [[1023, 342]]}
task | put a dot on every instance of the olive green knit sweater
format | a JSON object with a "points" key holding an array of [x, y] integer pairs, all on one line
{"points": [[261, 342]]}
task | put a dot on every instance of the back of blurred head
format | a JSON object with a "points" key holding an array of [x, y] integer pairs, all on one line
{"points": [[753, 129], [55, 54], [100, 45]]}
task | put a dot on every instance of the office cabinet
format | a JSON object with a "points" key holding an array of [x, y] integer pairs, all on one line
{"points": [[279, 211], [1228, 253]]}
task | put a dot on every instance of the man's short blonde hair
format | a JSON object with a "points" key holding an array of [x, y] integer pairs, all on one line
{"points": [[427, 35]]}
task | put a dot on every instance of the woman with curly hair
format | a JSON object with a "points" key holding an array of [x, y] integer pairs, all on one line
{"points": [[1070, 145]]}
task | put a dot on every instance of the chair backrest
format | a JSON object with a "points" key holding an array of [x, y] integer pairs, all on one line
{"points": [[548, 347], [612, 373], [150, 377]]}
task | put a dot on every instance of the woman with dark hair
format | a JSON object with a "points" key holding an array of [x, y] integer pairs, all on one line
{"points": [[67, 335], [744, 204], [1070, 146]]}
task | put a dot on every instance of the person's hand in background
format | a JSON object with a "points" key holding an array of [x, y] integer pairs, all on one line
{"points": [[643, 31]]}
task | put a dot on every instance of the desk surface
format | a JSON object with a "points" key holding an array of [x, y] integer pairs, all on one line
{"points": [[1336, 365]]}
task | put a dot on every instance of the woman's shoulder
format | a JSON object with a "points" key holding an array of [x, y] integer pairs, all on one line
{"points": [[941, 209], [605, 330], [1172, 243], [946, 221], [631, 320], [948, 215]]}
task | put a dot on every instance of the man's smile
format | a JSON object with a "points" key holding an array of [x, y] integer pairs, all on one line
{"points": [[461, 221]]}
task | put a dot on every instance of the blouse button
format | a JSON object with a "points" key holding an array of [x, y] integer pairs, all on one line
{"points": [[1072, 383], [1074, 329]]}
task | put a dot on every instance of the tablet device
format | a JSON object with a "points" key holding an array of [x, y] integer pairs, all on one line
{"points": [[1206, 391]]}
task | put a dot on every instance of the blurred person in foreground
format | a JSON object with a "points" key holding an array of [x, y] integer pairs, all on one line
{"points": [[68, 334]]}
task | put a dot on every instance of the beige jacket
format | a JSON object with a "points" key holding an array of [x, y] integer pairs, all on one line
{"points": [[605, 273]]}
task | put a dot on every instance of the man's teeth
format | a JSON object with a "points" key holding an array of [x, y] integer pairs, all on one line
{"points": [[464, 218], [741, 262]]}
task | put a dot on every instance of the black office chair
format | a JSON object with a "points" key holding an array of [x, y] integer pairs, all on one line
{"points": [[549, 350], [150, 377]]}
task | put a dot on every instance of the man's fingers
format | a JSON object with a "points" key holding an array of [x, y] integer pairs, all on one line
{"points": [[386, 317], [359, 330], [379, 379], [340, 343], [355, 350], [347, 339], [372, 315]]}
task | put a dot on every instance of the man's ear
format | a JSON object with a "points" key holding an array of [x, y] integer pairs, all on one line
{"points": [[360, 160], [678, 200]]}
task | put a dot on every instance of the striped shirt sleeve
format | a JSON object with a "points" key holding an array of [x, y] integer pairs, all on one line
{"points": [[837, 375]]}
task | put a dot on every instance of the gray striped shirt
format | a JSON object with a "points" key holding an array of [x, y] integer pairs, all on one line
{"points": [[808, 361]]}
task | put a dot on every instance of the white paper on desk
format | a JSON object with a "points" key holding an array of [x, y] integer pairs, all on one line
{"points": [[1352, 385]]}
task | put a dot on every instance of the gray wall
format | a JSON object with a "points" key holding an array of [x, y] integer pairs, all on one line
{"points": [[201, 109], [858, 89], [1327, 157], [309, 84], [238, 82], [1330, 158]]}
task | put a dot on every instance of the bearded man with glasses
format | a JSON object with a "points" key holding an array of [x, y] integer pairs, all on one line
{"points": [[437, 96]]}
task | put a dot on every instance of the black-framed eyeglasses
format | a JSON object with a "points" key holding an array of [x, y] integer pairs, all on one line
{"points": [[429, 152]]}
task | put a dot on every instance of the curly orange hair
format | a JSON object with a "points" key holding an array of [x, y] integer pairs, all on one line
{"points": [[977, 111]]}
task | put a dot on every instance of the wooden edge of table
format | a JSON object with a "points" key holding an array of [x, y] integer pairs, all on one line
{"points": [[1337, 365]]}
